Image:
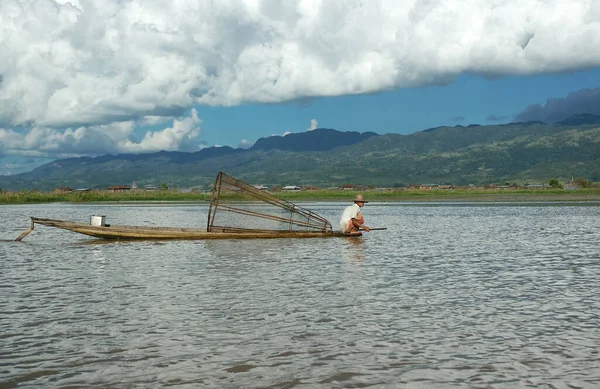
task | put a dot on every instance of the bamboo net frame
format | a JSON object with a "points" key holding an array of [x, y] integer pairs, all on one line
{"points": [[240, 207]]}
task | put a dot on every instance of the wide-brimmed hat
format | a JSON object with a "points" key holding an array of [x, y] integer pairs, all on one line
{"points": [[360, 198]]}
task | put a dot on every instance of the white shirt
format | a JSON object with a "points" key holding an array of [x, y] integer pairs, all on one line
{"points": [[351, 212]]}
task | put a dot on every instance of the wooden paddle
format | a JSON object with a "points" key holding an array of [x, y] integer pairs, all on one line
{"points": [[376, 229], [24, 234]]}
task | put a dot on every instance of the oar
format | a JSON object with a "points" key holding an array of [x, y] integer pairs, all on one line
{"points": [[24, 234], [376, 228]]}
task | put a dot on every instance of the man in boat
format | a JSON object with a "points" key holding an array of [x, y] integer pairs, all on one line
{"points": [[352, 218]]}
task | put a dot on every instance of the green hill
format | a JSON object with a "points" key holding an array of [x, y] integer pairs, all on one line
{"points": [[517, 152]]}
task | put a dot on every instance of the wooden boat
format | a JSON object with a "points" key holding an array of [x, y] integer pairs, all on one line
{"points": [[237, 211], [158, 233]]}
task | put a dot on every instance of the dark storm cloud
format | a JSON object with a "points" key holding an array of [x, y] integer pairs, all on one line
{"points": [[560, 108]]}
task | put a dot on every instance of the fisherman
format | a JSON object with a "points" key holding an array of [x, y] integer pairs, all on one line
{"points": [[352, 218]]}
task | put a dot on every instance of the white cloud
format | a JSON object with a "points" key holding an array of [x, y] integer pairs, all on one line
{"points": [[245, 144], [77, 77], [180, 136], [116, 137], [81, 62], [313, 126]]}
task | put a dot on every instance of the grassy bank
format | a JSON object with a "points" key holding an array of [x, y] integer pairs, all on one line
{"points": [[36, 197]]}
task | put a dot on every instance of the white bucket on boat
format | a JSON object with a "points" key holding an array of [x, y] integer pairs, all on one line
{"points": [[98, 220]]}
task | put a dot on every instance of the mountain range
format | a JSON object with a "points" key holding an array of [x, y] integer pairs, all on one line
{"points": [[531, 152]]}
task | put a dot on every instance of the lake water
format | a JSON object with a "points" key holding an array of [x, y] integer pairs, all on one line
{"points": [[451, 295]]}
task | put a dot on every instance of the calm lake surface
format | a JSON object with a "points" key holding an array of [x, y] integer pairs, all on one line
{"points": [[451, 295]]}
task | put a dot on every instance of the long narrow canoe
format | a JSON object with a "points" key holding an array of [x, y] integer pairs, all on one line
{"points": [[117, 232], [230, 216]]}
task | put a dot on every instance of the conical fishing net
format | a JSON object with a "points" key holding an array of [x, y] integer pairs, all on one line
{"points": [[239, 207]]}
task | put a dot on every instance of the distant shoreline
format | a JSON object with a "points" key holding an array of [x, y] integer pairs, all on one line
{"points": [[493, 195], [567, 197]]}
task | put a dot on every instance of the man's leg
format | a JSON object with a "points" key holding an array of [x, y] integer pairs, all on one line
{"points": [[355, 225], [360, 218], [349, 228]]}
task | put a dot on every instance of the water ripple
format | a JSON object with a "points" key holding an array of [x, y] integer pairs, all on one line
{"points": [[449, 296]]}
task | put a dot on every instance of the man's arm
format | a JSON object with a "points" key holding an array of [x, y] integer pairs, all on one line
{"points": [[358, 225]]}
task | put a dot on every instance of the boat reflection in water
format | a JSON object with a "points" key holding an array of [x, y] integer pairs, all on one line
{"points": [[353, 249]]}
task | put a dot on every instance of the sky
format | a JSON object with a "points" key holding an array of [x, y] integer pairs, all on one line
{"points": [[88, 77]]}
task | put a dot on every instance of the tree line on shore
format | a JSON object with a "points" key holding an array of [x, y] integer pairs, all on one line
{"points": [[312, 194]]}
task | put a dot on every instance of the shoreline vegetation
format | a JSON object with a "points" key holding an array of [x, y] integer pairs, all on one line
{"points": [[374, 195]]}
